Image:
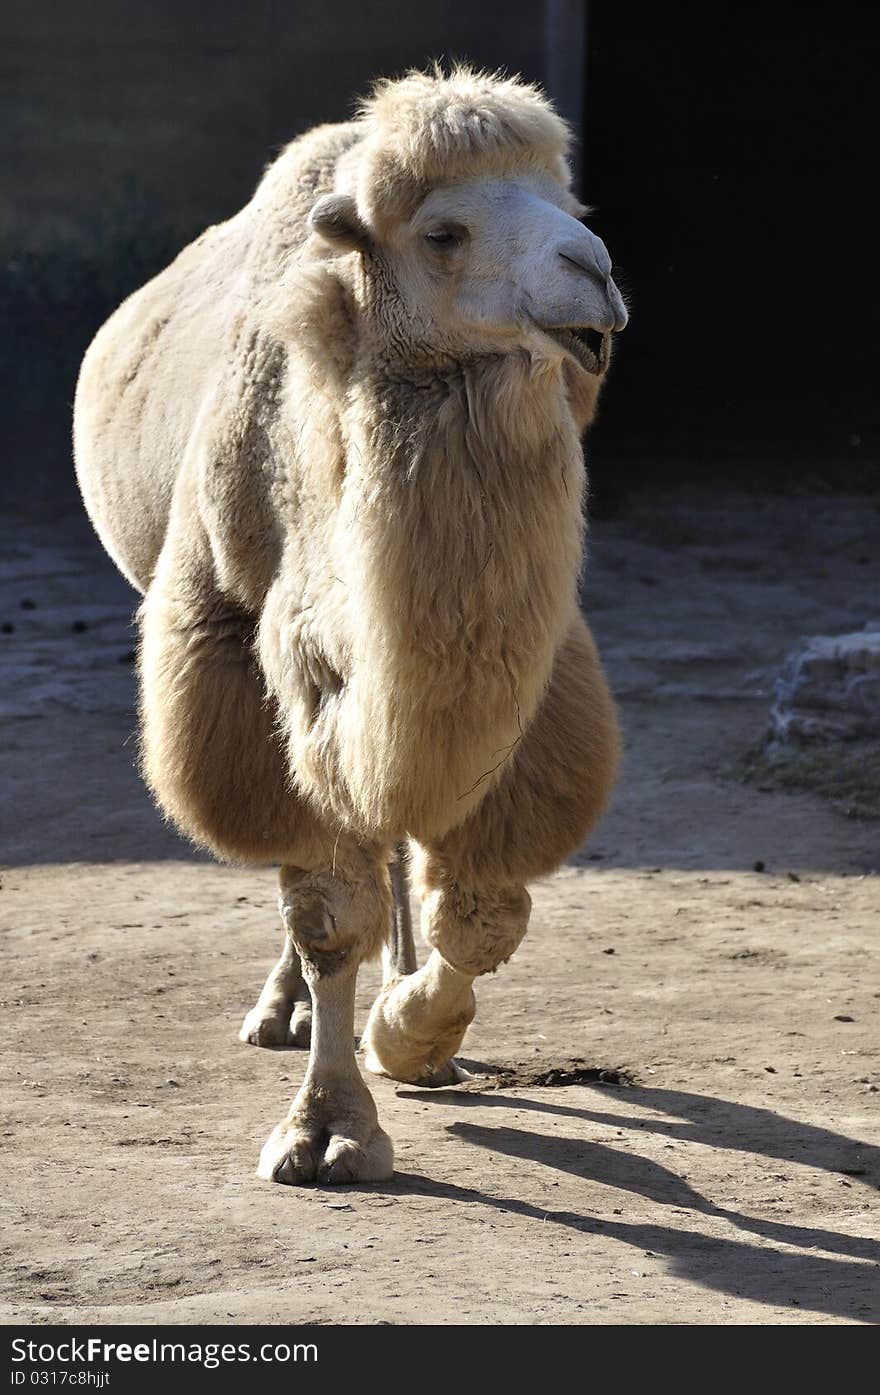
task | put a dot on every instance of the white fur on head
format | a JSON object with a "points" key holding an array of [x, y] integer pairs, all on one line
{"points": [[426, 129]]}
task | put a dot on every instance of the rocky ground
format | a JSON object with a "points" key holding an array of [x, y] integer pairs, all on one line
{"points": [[674, 1112]]}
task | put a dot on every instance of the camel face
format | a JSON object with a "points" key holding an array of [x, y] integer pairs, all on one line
{"points": [[488, 266]]}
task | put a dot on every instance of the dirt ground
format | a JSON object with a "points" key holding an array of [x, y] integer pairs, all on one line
{"points": [[733, 1181]]}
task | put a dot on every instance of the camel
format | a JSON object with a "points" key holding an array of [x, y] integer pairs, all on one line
{"points": [[336, 445]]}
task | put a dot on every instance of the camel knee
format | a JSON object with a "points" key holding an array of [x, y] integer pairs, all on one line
{"points": [[335, 917], [475, 930], [418, 1021]]}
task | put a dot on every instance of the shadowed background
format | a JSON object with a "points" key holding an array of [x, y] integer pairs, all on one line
{"points": [[729, 171]]}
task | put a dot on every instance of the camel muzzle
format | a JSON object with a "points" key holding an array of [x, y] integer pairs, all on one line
{"points": [[589, 346]]}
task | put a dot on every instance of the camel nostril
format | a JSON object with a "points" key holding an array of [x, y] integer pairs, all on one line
{"points": [[593, 338]]}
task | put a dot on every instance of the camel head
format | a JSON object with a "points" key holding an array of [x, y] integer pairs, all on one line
{"points": [[457, 203]]}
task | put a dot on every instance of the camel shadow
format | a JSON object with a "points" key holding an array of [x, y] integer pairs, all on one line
{"points": [[847, 1287], [718, 1123]]}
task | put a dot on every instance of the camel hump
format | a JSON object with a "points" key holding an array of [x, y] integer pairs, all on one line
{"points": [[154, 365], [140, 388]]}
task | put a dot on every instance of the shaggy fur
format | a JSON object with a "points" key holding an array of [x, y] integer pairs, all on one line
{"points": [[358, 527], [422, 131]]}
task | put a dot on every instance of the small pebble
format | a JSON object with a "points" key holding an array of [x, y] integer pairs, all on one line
{"points": [[28, 604], [7, 627], [79, 627], [842, 1017], [759, 866]]}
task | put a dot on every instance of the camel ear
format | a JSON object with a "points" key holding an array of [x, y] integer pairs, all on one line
{"points": [[336, 219]]}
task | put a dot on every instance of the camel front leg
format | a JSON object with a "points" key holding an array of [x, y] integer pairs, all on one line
{"points": [[282, 1015], [332, 1133], [475, 907], [418, 1022]]}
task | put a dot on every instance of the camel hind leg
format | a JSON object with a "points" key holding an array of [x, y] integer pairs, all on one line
{"points": [[399, 955], [282, 1015], [475, 907]]}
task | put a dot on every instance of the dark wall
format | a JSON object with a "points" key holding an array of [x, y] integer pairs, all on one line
{"points": [[733, 172], [180, 103]]}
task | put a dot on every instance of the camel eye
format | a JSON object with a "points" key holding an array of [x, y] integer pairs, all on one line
{"points": [[444, 238]]}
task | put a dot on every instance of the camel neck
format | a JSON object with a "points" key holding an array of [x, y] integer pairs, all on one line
{"points": [[475, 489]]}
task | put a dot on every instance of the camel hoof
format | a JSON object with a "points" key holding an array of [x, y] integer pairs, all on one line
{"points": [[266, 1029], [450, 1073], [297, 1153], [404, 1041], [270, 1029], [428, 1078], [301, 1024]]}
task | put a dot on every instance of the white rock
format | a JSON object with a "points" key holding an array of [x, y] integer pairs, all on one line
{"points": [[830, 688]]}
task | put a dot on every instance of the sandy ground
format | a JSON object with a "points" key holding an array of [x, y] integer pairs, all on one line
{"points": [[734, 1181]]}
